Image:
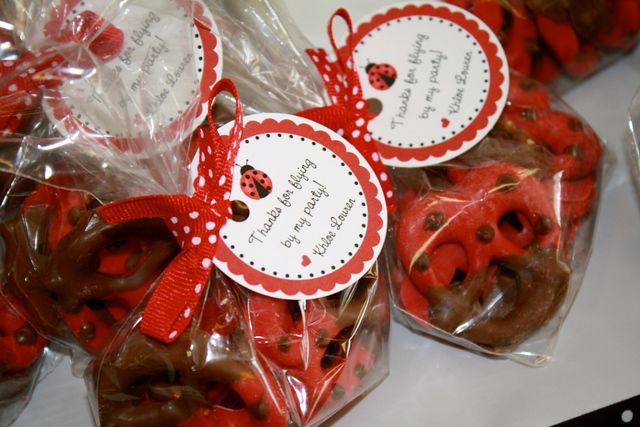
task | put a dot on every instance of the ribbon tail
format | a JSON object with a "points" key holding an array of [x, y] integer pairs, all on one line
{"points": [[175, 298], [163, 206], [349, 111]]}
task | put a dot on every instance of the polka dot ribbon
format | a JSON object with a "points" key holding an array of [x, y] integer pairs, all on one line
{"points": [[195, 222], [348, 115], [21, 79]]}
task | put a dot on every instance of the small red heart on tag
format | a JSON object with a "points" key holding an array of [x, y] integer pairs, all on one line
{"points": [[305, 260], [445, 122]]}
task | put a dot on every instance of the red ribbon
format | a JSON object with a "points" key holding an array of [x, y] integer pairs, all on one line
{"points": [[21, 79], [348, 115], [194, 220]]}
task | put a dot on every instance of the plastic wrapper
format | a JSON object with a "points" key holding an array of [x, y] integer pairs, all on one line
{"points": [[25, 358], [264, 56], [550, 39], [77, 289], [58, 162], [21, 355], [82, 96], [248, 360], [488, 250], [245, 358], [634, 142], [87, 281]]}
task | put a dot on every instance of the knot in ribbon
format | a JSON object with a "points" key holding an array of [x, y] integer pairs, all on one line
{"points": [[349, 113], [194, 220], [21, 79]]}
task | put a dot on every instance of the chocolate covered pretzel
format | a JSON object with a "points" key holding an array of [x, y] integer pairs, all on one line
{"points": [[204, 378], [482, 258], [74, 270]]}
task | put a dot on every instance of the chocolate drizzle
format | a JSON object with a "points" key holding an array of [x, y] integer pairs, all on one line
{"points": [[73, 275]]}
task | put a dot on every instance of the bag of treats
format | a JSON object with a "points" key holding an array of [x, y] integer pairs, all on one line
{"points": [[78, 291], [25, 356], [497, 182], [97, 101], [549, 39], [87, 273], [300, 339], [347, 329], [489, 249]]}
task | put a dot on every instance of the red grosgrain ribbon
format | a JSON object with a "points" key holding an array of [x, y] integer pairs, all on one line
{"points": [[21, 79], [194, 220], [348, 115]]}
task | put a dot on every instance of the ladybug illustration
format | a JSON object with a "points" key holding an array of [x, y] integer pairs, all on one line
{"points": [[381, 76], [255, 183]]}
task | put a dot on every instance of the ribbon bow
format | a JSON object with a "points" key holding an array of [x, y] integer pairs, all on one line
{"points": [[349, 115], [21, 79], [194, 220]]}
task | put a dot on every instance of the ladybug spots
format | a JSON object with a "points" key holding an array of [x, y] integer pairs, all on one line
{"points": [[381, 76], [255, 183]]}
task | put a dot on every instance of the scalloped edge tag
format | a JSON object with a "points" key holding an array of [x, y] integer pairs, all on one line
{"points": [[436, 74], [309, 213]]}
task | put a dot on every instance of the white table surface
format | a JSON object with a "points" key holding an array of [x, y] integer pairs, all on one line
{"points": [[597, 361]]}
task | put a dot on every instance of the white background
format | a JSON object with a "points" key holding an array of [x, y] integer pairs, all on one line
{"points": [[597, 361]]}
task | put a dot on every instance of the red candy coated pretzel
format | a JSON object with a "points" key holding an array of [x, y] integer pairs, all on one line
{"points": [[313, 345], [530, 118], [20, 345], [72, 268], [543, 37], [114, 266], [576, 148], [492, 238], [145, 382]]}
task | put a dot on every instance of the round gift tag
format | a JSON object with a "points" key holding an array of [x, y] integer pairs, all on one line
{"points": [[156, 63], [309, 214], [437, 74]]}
